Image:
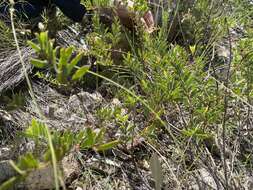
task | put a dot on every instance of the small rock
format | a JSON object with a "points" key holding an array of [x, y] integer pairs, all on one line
{"points": [[71, 168], [79, 188], [207, 178], [116, 102], [5, 153], [43, 178], [84, 100], [203, 180], [60, 112]]}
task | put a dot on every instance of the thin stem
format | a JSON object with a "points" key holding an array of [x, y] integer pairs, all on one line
{"points": [[226, 83], [54, 161]]}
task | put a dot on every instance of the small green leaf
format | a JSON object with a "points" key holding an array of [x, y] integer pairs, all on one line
{"points": [[39, 63], [80, 136], [43, 39], [34, 46], [65, 54], [89, 139], [193, 49], [36, 131], [30, 161], [107, 146], [80, 72], [74, 62], [62, 60], [25, 163], [59, 154]]}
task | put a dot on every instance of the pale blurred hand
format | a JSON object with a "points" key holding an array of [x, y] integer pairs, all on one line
{"points": [[148, 21], [127, 17]]}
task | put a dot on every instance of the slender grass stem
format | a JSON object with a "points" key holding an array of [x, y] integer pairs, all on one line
{"points": [[54, 161]]}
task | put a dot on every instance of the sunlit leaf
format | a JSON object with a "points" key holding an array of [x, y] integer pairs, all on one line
{"points": [[107, 146], [74, 62], [80, 73], [39, 63], [34, 46]]}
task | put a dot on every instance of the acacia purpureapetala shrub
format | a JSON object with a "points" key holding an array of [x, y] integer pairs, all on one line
{"points": [[172, 79]]}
